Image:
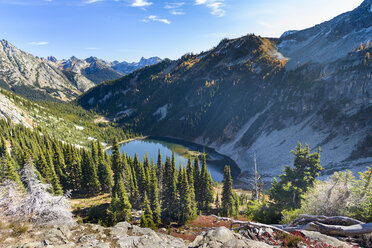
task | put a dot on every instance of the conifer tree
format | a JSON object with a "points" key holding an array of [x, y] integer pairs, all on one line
{"points": [[94, 151], [7, 171], [116, 167], [105, 175], [186, 211], [147, 216], [73, 168], [120, 207], [169, 212], [191, 183], [227, 194], [60, 165], [206, 187], [141, 178], [154, 197], [294, 182], [197, 183], [90, 180], [159, 171], [217, 202]]}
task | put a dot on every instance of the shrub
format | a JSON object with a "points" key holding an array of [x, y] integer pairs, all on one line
{"points": [[341, 195], [288, 216], [263, 212]]}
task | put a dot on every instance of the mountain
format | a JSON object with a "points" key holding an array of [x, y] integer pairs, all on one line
{"points": [[330, 40], [126, 68], [245, 96], [98, 70], [94, 69], [32, 77]]}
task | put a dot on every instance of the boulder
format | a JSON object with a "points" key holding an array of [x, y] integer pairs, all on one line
{"points": [[222, 237]]}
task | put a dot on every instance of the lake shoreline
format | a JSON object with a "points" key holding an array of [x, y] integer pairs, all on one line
{"points": [[126, 141]]}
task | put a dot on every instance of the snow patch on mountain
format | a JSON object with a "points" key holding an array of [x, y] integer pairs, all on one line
{"points": [[125, 112], [162, 112]]}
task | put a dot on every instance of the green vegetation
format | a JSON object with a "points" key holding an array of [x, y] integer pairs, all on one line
{"points": [[68, 122]]}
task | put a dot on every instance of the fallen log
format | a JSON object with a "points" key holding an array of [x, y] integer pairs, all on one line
{"points": [[347, 231], [329, 220], [248, 223]]}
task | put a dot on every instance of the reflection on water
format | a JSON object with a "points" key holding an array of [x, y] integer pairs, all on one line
{"points": [[181, 149]]}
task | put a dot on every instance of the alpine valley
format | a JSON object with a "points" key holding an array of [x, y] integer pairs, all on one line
{"points": [[260, 95], [257, 142]]}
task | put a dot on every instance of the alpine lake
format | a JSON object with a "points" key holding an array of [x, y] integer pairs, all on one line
{"points": [[182, 150]]}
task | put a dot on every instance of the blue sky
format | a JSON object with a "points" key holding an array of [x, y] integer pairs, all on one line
{"points": [[129, 29]]}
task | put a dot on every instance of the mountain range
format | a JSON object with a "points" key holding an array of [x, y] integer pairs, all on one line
{"points": [[254, 95], [52, 79]]}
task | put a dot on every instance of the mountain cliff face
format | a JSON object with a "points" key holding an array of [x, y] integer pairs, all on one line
{"points": [[126, 68], [94, 69], [32, 77], [98, 70], [330, 40], [52, 79], [245, 96]]}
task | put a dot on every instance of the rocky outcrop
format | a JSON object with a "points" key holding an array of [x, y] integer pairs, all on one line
{"points": [[223, 237], [90, 235], [34, 77], [8, 110], [126, 235]]}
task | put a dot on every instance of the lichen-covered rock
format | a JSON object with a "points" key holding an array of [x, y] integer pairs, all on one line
{"points": [[223, 237]]}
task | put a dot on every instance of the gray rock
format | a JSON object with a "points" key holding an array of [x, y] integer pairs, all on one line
{"points": [[223, 237], [325, 239]]}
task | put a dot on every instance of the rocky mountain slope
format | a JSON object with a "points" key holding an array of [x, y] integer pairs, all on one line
{"points": [[126, 68], [34, 78], [330, 40], [52, 79], [245, 96], [98, 70]]}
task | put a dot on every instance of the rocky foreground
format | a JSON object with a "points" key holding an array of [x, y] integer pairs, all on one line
{"points": [[127, 235]]}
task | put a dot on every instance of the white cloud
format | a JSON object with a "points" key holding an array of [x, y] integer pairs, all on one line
{"points": [[141, 3], [92, 1], [38, 43], [156, 19], [216, 6], [175, 8]]}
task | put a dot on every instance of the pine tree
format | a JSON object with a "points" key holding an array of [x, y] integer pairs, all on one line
{"points": [[3, 148], [120, 207], [52, 177], [190, 180], [94, 154], [90, 180], [59, 164], [141, 178], [147, 216], [294, 182], [154, 197], [116, 167], [206, 187], [8, 172], [169, 212], [185, 210], [217, 202], [105, 176], [73, 168], [197, 183], [227, 194]]}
